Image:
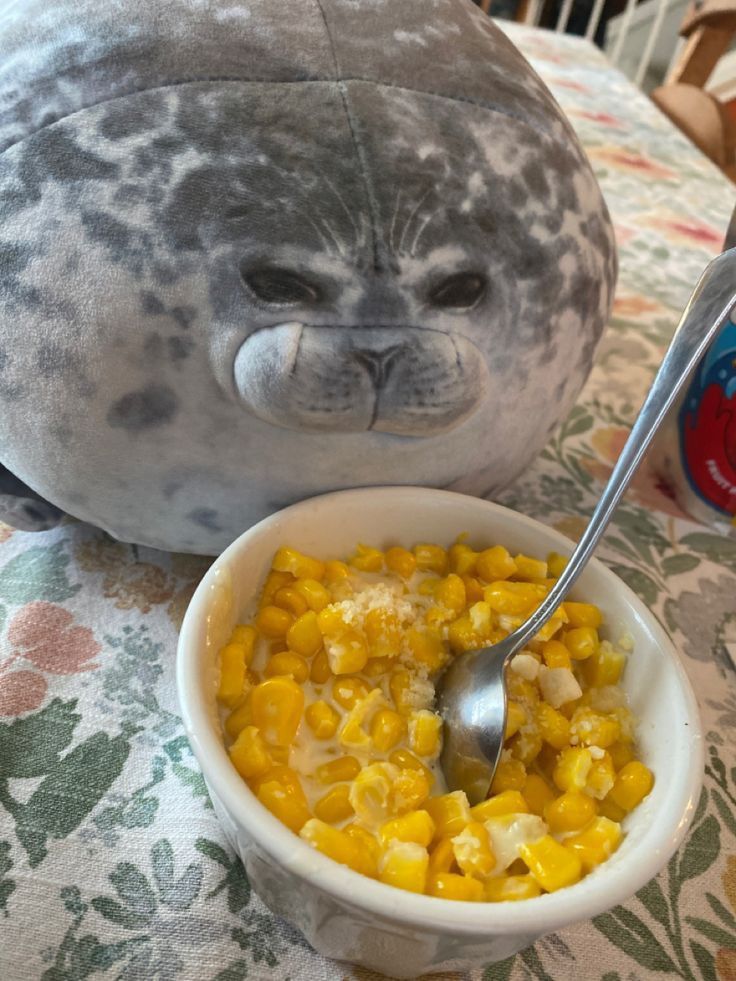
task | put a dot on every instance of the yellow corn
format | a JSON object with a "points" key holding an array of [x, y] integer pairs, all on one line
{"points": [[335, 806], [621, 754], [556, 564], [424, 733], [569, 812], [249, 753], [632, 785], [405, 760], [613, 812], [404, 864], [415, 826], [304, 636], [322, 719], [529, 568], [233, 673], [371, 793], [336, 844], [442, 857], [314, 594], [426, 647], [514, 598], [450, 813], [550, 863], [450, 593], [287, 598], [383, 633], [462, 559], [447, 885], [277, 705], [605, 667], [554, 728], [511, 888], [348, 691], [367, 559], [273, 622], [594, 729], [346, 653], [509, 775], [507, 802], [583, 614], [377, 667], [411, 790], [370, 849], [595, 843], [515, 719], [336, 571], [342, 768], [241, 716], [299, 565], [431, 558], [387, 728], [274, 582], [401, 561], [581, 642], [573, 766], [287, 663], [537, 793], [556, 655], [320, 671], [286, 802], [473, 851], [473, 589], [400, 688], [494, 564], [352, 733]]}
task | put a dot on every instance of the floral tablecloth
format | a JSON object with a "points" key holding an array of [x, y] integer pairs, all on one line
{"points": [[112, 864]]}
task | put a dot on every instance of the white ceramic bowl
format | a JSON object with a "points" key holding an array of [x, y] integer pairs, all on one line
{"points": [[352, 918]]}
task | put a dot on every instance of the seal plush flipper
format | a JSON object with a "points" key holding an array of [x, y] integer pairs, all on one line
{"points": [[23, 508]]}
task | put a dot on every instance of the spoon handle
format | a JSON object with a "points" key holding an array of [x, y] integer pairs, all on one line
{"points": [[710, 304]]}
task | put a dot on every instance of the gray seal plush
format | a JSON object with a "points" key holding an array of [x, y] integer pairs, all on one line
{"points": [[254, 251]]}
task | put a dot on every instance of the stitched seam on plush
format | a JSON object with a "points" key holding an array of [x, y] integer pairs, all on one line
{"points": [[489, 107]]}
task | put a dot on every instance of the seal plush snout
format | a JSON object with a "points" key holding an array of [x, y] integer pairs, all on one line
{"points": [[378, 363]]}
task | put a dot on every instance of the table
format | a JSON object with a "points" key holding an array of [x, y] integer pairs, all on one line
{"points": [[112, 864]]}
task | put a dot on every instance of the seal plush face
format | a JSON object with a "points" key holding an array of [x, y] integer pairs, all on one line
{"points": [[239, 293]]}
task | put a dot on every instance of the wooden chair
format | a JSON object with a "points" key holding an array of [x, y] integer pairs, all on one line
{"points": [[709, 26]]}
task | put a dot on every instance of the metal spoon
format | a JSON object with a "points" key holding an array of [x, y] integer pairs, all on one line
{"points": [[472, 693]]}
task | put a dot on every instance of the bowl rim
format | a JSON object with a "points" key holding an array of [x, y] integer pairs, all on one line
{"points": [[535, 916]]}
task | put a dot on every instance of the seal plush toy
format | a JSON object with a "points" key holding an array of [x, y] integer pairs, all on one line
{"points": [[255, 251]]}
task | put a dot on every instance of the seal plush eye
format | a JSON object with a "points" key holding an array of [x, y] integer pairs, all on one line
{"points": [[459, 292], [280, 287]]}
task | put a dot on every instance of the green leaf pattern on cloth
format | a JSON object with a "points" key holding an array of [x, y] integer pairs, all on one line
{"points": [[112, 862]]}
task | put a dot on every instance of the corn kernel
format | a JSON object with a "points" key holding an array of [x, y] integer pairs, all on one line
{"points": [[529, 568], [299, 565], [401, 561], [612, 811], [509, 775], [346, 653], [556, 655], [550, 863], [367, 559], [335, 806], [537, 793], [377, 667], [273, 622], [442, 857], [495, 564], [233, 673], [462, 559], [370, 849], [348, 691], [274, 582], [554, 728], [249, 753], [387, 728], [605, 667], [336, 844], [556, 564], [581, 642], [426, 647], [427, 586], [473, 852], [507, 802], [514, 598], [583, 614], [242, 634], [593, 729], [241, 716], [336, 571], [511, 888], [338, 770], [399, 685], [595, 843], [320, 671], [287, 663], [632, 785], [371, 793], [404, 864], [352, 733], [621, 754], [383, 633], [515, 719], [450, 813], [411, 790], [304, 636], [431, 558], [277, 705], [569, 812], [450, 593], [448, 885], [473, 589], [286, 802], [424, 733], [572, 769], [314, 594], [415, 826], [405, 760], [322, 719], [287, 598]]}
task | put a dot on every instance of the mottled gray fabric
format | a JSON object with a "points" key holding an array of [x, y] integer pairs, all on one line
{"points": [[252, 251]]}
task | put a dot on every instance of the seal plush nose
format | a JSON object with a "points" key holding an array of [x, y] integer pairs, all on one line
{"points": [[378, 363]]}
